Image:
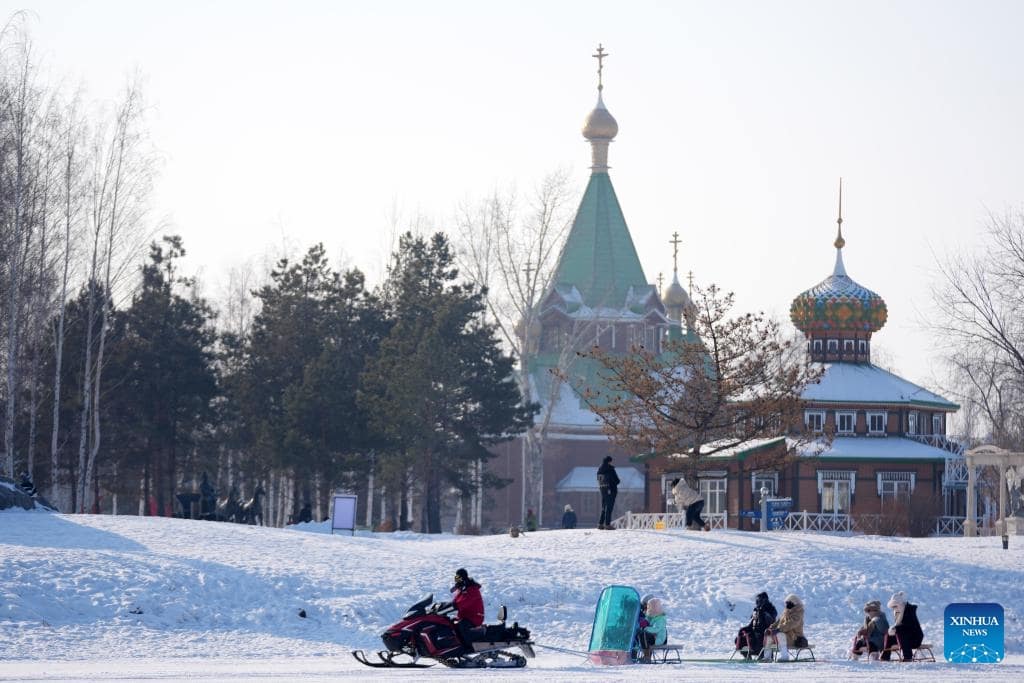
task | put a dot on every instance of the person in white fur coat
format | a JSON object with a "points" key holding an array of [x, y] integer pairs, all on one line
{"points": [[690, 500]]}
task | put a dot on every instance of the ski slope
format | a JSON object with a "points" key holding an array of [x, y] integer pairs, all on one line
{"points": [[85, 597]]}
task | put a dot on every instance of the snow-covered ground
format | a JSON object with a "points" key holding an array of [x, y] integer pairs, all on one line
{"points": [[125, 598]]}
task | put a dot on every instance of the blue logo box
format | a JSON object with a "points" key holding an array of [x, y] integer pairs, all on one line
{"points": [[974, 633]]}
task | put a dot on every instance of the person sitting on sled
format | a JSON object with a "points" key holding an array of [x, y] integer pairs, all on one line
{"points": [[751, 636], [468, 603], [905, 631], [871, 637], [791, 624], [655, 630]]}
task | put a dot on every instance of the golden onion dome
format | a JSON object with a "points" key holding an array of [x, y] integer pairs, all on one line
{"points": [[600, 124]]}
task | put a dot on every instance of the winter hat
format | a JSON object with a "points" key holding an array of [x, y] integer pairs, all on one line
{"points": [[646, 600], [461, 575], [654, 607], [568, 508], [761, 597], [898, 599], [607, 459], [793, 599], [872, 606]]}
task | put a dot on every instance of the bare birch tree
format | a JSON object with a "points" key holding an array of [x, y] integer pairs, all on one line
{"points": [[511, 246], [978, 302], [119, 187]]}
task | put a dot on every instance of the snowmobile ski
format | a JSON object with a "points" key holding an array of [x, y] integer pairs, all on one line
{"points": [[387, 661]]}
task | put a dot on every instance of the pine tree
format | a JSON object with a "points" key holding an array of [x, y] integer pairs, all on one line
{"points": [[440, 391]]}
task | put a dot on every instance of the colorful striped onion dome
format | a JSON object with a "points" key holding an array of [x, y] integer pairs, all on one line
{"points": [[837, 303]]}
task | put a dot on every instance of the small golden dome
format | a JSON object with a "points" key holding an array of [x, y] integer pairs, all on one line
{"points": [[600, 124]]}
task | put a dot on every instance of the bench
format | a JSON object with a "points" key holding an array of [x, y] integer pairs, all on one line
{"points": [[922, 653], [666, 654]]}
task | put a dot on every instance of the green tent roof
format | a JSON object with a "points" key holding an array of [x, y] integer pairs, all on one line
{"points": [[599, 258]]}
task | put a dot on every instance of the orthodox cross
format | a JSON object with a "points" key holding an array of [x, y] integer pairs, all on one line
{"points": [[528, 269], [675, 250], [689, 276], [661, 280], [600, 55]]}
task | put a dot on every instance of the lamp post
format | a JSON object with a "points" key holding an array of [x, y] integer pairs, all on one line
{"points": [[764, 508]]}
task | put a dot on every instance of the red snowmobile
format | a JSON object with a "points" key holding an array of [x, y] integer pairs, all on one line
{"points": [[427, 631]]}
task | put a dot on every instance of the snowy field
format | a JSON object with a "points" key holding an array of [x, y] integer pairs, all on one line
{"points": [[132, 598]]}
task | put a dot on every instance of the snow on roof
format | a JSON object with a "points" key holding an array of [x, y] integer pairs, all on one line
{"points": [[569, 410], [873, 448], [731, 451], [866, 383], [584, 480]]}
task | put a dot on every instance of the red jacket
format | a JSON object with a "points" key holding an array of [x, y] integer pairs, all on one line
{"points": [[469, 603]]}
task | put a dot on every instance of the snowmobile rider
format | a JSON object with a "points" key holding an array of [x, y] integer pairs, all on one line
{"points": [[468, 602]]}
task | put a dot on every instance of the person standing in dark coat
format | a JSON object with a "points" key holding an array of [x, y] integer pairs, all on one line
{"points": [[568, 518], [608, 483]]}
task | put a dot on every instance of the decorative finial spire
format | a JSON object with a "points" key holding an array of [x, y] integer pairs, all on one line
{"points": [[689, 276], [600, 127], [661, 281], [600, 55], [675, 253], [840, 269], [840, 242]]}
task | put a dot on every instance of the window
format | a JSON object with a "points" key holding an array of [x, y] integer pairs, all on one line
{"points": [[817, 345], [713, 491], [862, 346], [845, 422], [814, 420], [912, 423], [768, 480], [833, 345], [836, 489], [847, 345], [895, 487], [876, 423], [937, 423]]}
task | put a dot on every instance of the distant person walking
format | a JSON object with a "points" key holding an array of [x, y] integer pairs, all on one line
{"points": [[608, 483], [568, 518], [690, 500]]}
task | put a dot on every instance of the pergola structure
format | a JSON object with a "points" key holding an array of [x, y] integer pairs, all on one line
{"points": [[1008, 464]]}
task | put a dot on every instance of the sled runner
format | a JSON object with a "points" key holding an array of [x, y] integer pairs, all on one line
{"points": [[427, 632]]}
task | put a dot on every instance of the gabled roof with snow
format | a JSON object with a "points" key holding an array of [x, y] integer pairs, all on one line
{"points": [[584, 479], [867, 383], [873, 448], [742, 450]]}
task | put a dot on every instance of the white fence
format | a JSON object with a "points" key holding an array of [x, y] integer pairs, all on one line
{"points": [[795, 521], [667, 520]]}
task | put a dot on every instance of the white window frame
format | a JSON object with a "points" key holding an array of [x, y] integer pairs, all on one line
{"points": [[912, 422], [817, 345], [840, 414], [880, 414], [715, 490], [820, 414], [849, 345], [936, 423], [862, 346], [759, 478], [831, 482], [895, 487], [833, 346]]}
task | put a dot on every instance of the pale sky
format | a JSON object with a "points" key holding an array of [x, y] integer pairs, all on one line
{"points": [[305, 122]]}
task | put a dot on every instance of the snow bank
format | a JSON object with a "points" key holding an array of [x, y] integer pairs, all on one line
{"points": [[173, 597]]}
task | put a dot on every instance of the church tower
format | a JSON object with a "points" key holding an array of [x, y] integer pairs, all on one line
{"points": [[599, 294], [837, 315]]}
